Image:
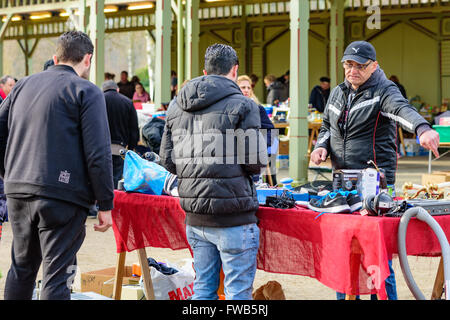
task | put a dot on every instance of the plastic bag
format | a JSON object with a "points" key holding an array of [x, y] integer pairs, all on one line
{"points": [[143, 176], [176, 286]]}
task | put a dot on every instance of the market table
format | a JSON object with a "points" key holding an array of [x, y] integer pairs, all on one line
{"points": [[348, 253]]}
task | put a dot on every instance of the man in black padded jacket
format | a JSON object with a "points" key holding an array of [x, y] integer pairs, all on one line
{"points": [[55, 159]]}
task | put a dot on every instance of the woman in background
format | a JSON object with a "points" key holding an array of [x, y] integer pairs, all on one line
{"points": [[245, 84], [140, 95]]}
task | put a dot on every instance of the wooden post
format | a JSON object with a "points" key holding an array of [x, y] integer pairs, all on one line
{"points": [[438, 287], [148, 286], [118, 279]]}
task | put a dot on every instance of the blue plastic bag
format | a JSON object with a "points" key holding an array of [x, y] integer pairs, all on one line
{"points": [[140, 175]]}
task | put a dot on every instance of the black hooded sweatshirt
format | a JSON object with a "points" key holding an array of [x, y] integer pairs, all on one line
{"points": [[214, 175]]}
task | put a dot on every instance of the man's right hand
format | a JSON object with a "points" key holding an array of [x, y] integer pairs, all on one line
{"points": [[319, 155]]}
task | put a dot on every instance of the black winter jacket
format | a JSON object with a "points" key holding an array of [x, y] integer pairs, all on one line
{"points": [[198, 145], [54, 139], [369, 132], [122, 119]]}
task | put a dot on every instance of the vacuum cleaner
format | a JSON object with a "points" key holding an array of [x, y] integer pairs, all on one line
{"points": [[423, 215]]}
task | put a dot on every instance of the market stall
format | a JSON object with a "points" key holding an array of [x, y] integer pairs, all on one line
{"points": [[346, 252]]}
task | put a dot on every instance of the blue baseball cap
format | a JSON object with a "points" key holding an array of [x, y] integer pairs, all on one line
{"points": [[360, 51]]}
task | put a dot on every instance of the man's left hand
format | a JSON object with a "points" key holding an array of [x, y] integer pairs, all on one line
{"points": [[430, 140], [105, 220]]}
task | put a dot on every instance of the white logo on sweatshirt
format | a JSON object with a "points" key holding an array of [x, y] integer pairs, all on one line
{"points": [[64, 176]]}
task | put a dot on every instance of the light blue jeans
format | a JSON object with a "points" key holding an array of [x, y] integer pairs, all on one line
{"points": [[233, 249]]}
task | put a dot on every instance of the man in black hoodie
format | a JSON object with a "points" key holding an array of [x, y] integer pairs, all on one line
{"points": [[212, 142], [55, 159]]}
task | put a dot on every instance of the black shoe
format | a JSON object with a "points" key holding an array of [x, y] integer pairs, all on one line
{"points": [[353, 199], [333, 202]]}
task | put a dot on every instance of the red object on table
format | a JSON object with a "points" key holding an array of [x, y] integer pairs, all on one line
{"points": [[137, 105], [346, 252]]}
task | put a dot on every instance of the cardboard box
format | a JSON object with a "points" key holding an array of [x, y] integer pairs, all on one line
{"points": [[283, 147], [435, 177], [132, 292], [87, 296], [102, 281]]}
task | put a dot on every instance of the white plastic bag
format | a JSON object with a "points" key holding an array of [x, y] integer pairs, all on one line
{"points": [[177, 286]]}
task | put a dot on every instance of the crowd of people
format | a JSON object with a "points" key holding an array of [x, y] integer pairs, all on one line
{"points": [[50, 188]]}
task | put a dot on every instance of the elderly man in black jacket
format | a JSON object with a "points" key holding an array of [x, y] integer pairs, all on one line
{"points": [[212, 143], [123, 125], [55, 158], [360, 122]]}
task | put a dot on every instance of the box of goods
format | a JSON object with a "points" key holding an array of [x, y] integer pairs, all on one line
{"points": [[87, 296], [366, 181], [282, 161], [444, 133], [132, 292], [436, 177], [102, 281], [283, 147]]}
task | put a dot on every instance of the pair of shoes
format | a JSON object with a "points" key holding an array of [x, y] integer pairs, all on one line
{"points": [[337, 202]]}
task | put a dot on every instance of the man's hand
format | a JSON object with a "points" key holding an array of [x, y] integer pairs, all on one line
{"points": [[105, 220], [319, 155], [430, 140]]}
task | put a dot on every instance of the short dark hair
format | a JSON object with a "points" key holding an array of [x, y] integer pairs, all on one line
{"points": [[48, 64], [220, 58], [72, 46], [5, 79]]}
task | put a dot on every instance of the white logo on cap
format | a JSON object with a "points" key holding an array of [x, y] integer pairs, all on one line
{"points": [[356, 50]]}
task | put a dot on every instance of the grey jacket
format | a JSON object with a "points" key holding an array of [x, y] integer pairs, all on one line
{"points": [[369, 132], [202, 145]]}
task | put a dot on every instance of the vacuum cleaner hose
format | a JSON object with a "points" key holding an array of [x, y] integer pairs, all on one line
{"points": [[424, 216]]}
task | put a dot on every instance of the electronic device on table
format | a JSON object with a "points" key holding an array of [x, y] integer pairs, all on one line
{"points": [[433, 207]]}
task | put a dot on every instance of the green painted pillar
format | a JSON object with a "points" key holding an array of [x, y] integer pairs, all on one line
{"points": [[180, 43], [299, 91], [97, 35], [192, 39], [83, 16], [336, 42], [162, 64], [3, 27]]}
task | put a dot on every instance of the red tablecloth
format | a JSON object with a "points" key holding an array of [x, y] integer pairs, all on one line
{"points": [[346, 252]]}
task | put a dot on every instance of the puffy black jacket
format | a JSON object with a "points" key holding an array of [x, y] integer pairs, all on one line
{"points": [[152, 133], [369, 132], [198, 145]]}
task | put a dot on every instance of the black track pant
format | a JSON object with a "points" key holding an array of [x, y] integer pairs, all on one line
{"points": [[47, 231]]}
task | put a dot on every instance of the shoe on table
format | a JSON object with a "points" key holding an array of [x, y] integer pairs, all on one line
{"points": [[333, 202], [353, 199]]}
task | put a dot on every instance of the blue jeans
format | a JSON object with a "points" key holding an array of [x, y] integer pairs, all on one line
{"points": [[391, 287], [233, 249]]}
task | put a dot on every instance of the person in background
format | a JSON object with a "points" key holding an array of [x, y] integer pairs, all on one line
{"points": [[109, 76], [123, 126], [284, 79], [48, 64], [255, 79], [276, 91], [395, 80], [140, 94], [55, 159], [125, 87], [6, 84], [319, 94], [173, 84], [245, 84]]}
